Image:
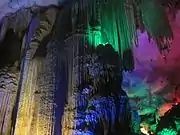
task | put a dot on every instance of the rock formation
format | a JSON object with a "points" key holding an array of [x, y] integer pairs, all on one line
{"points": [[67, 73]]}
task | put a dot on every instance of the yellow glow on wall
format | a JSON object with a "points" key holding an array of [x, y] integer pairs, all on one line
{"points": [[29, 121]]}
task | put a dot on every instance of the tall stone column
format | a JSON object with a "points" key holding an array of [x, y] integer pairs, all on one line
{"points": [[47, 90], [27, 109]]}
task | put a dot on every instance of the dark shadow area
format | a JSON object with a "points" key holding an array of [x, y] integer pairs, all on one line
{"points": [[10, 49]]}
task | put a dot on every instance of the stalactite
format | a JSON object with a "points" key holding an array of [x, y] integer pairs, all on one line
{"points": [[18, 21], [108, 22], [21, 20], [114, 22], [46, 23], [159, 30]]}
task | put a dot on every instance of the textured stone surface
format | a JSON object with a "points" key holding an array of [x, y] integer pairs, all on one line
{"points": [[152, 86], [9, 78]]}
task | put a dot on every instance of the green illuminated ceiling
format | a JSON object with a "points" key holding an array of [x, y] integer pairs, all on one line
{"points": [[114, 22]]}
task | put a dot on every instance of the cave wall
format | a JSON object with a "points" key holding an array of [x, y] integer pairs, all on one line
{"points": [[153, 87]]}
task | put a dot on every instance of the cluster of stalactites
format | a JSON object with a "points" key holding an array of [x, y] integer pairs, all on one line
{"points": [[110, 18], [118, 20], [155, 21], [164, 44]]}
